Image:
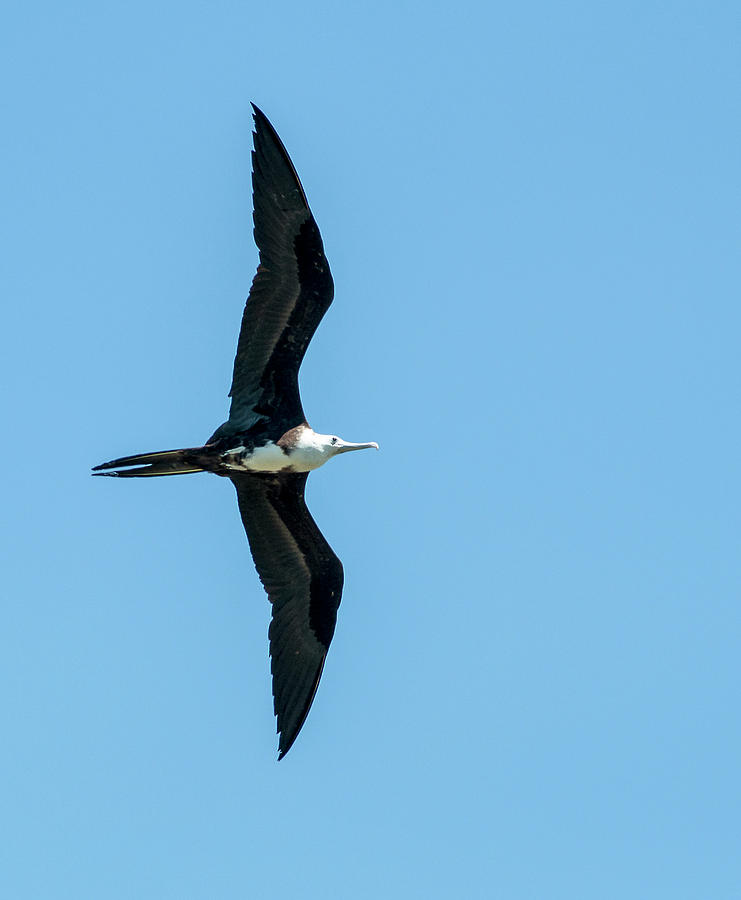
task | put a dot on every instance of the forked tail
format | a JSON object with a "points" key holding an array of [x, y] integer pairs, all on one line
{"points": [[165, 462]]}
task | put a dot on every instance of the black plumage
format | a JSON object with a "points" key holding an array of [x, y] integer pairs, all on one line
{"points": [[303, 578], [290, 294]]}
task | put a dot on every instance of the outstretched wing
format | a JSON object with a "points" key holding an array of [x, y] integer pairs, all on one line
{"points": [[290, 293], [303, 578]]}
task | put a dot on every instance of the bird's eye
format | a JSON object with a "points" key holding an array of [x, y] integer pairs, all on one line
{"points": [[334, 440]]}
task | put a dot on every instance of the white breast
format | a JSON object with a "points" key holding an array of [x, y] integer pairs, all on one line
{"points": [[304, 457]]}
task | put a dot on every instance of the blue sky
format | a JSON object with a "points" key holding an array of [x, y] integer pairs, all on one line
{"points": [[531, 214]]}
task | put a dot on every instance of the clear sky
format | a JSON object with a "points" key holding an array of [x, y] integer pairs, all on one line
{"points": [[531, 212]]}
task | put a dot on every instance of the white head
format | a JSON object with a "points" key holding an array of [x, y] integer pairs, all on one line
{"points": [[334, 445], [312, 450]]}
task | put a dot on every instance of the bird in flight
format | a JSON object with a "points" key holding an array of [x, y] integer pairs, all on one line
{"points": [[266, 447]]}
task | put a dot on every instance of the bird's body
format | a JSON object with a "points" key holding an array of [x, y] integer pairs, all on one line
{"points": [[299, 450], [304, 456], [266, 447]]}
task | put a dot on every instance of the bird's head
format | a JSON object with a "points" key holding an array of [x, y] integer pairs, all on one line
{"points": [[334, 445]]}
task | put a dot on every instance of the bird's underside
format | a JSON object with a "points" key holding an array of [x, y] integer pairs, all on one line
{"points": [[266, 447]]}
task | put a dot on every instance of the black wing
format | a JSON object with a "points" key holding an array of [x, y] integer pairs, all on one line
{"points": [[303, 578], [290, 293]]}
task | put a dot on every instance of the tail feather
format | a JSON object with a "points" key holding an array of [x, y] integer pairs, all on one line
{"points": [[164, 462]]}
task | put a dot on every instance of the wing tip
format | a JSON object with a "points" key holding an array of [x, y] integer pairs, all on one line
{"points": [[261, 120], [265, 133], [287, 737], [257, 113]]}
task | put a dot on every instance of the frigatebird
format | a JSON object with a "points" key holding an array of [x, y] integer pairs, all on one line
{"points": [[266, 446]]}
